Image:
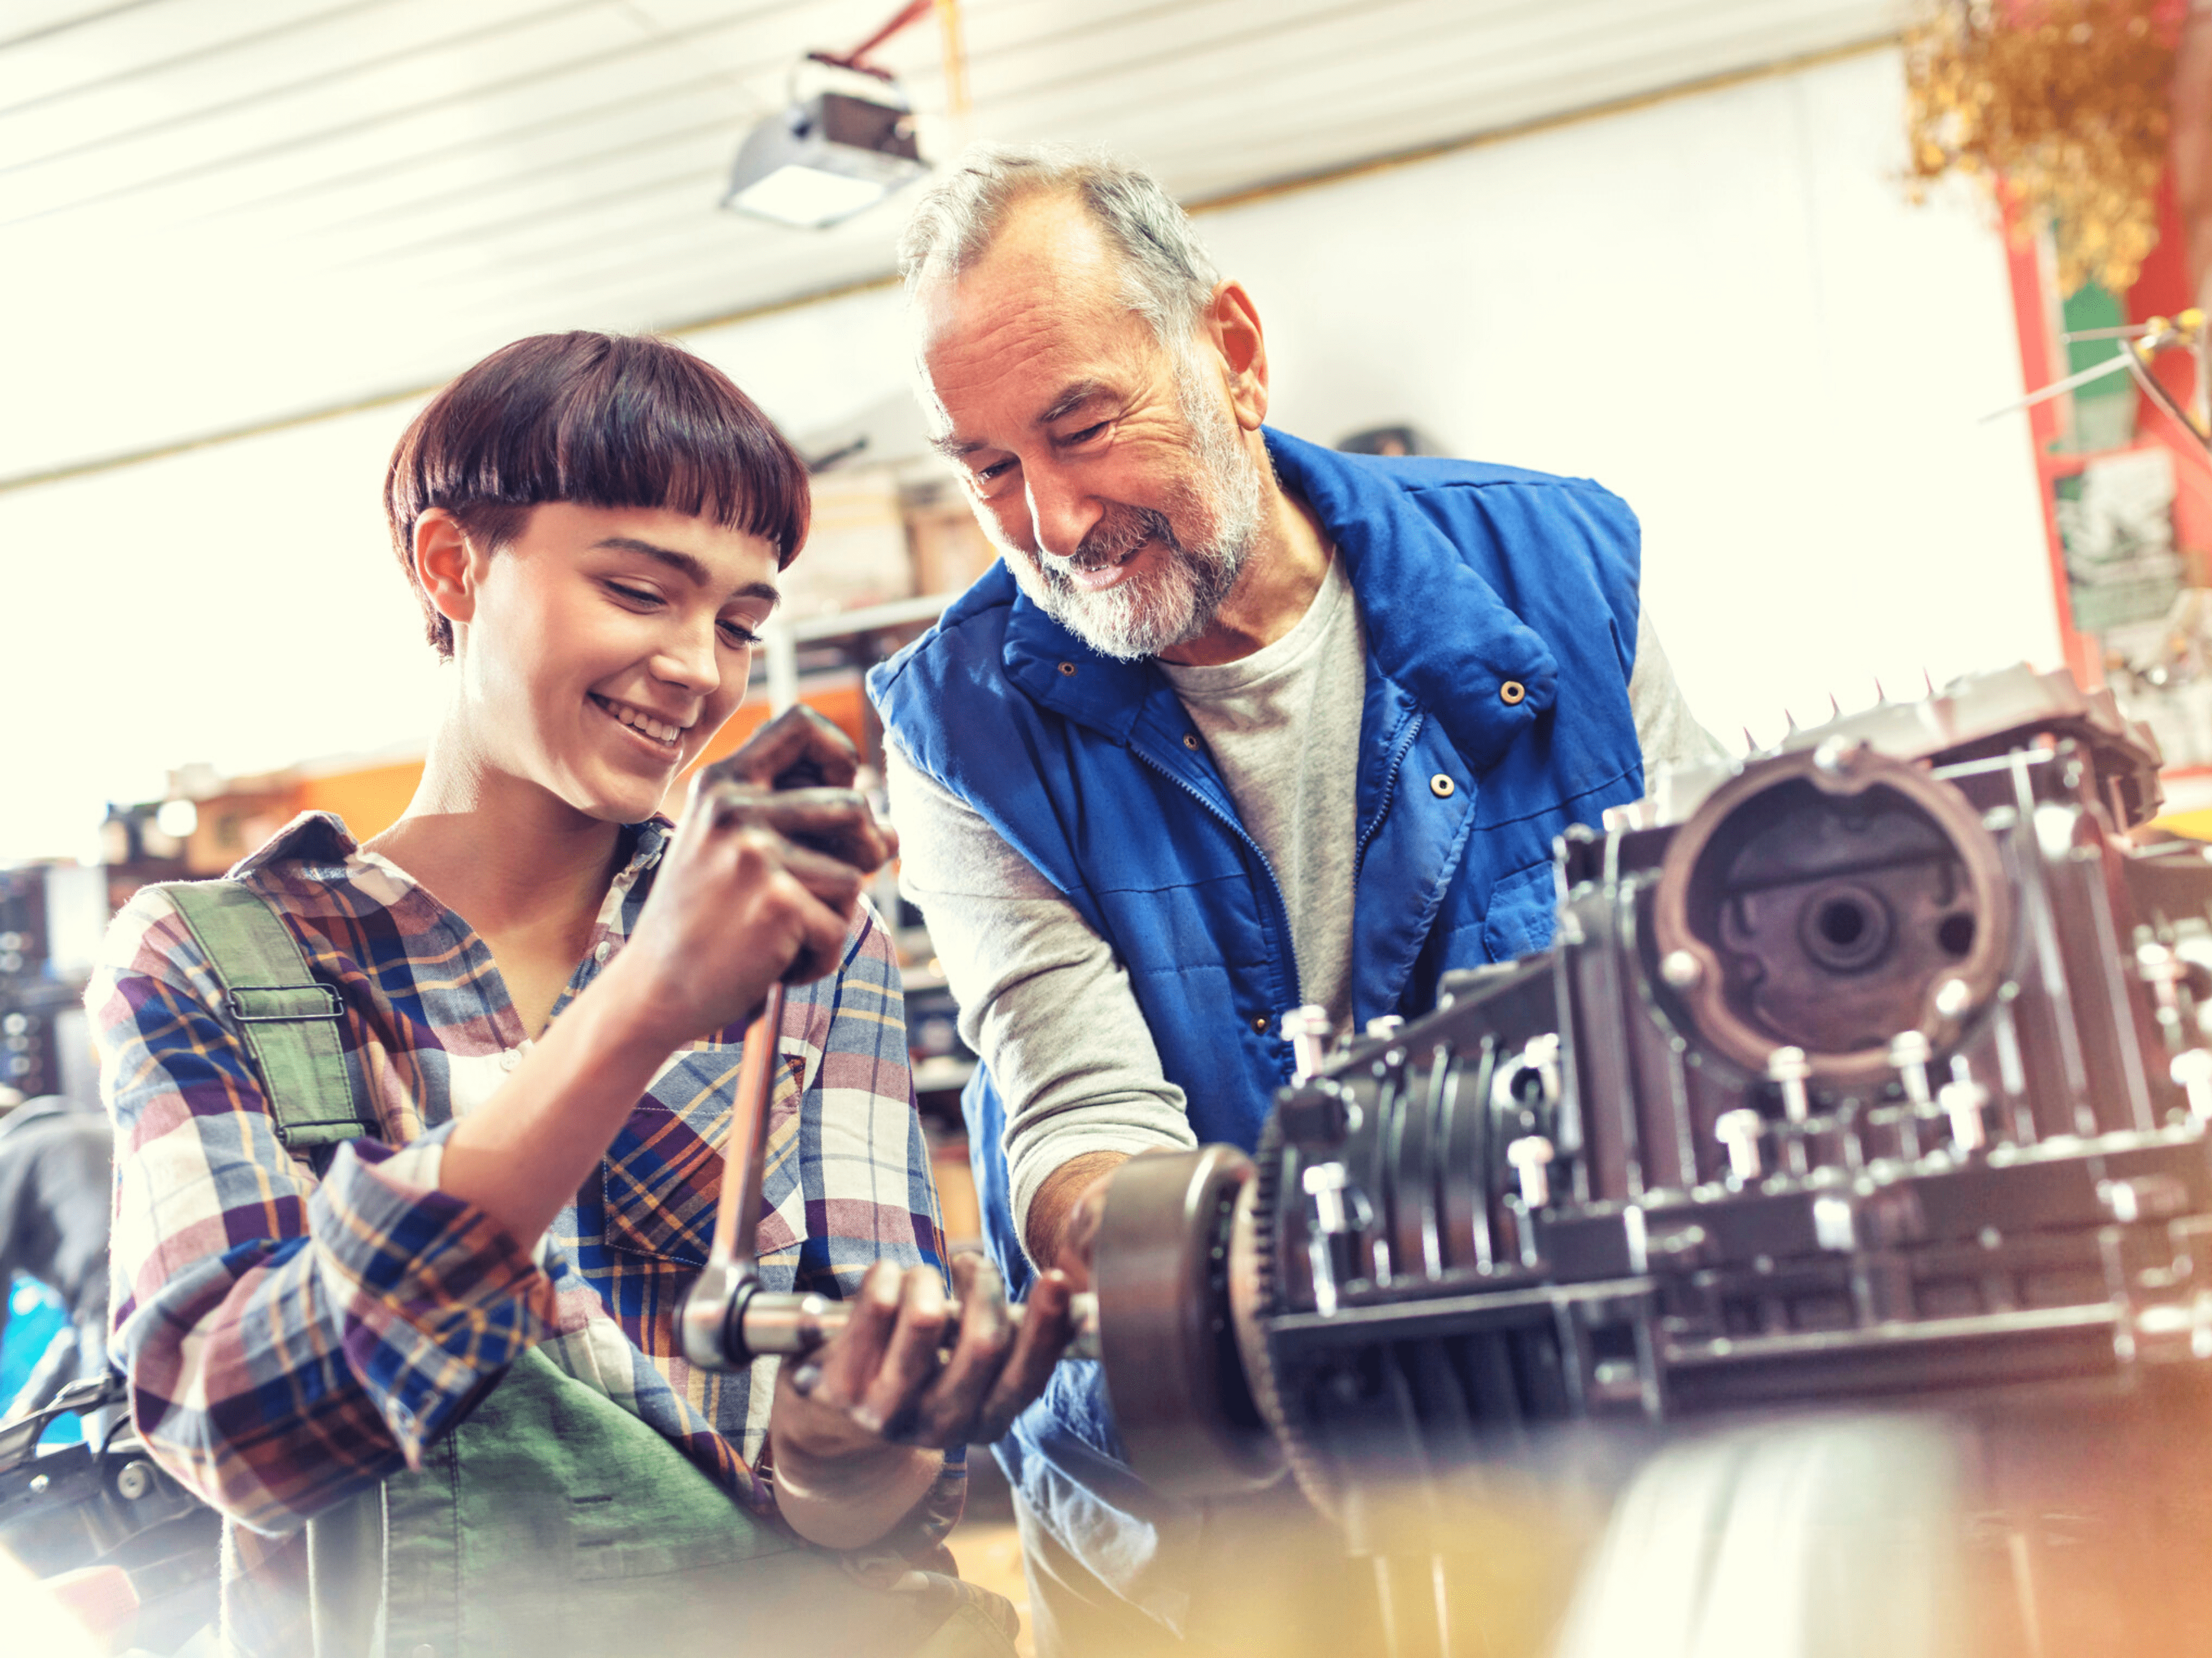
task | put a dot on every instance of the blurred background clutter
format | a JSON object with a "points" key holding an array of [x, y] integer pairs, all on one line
{"points": [[1724, 256]]}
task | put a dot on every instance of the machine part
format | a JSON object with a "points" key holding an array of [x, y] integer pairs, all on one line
{"points": [[1306, 1029], [1177, 1386], [1415, 1297], [1826, 897], [104, 1503], [1530, 1156], [759, 1323], [1740, 1131], [1964, 1103]]}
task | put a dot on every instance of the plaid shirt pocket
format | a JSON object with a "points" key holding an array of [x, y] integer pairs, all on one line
{"points": [[663, 1175]]}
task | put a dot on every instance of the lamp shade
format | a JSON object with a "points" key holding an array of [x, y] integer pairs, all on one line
{"points": [[823, 159]]}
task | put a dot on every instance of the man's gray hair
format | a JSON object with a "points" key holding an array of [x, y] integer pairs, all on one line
{"points": [[1169, 279]]}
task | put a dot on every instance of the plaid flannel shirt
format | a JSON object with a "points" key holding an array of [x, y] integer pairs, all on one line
{"points": [[290, 1338]]}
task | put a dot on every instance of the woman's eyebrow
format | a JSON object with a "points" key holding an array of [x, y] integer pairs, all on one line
{"points": [[682, 562], [685, 564]]}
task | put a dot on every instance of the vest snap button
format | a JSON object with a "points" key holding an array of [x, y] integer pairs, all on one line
{"points": [[1442, 786], [1190, 740], [1259, 1024], [1068, 668], [1511, 692]]}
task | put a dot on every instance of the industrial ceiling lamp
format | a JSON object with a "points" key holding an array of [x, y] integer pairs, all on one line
{"points": [[830, 156]]}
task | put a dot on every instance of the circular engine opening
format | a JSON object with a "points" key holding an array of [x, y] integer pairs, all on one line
{"points": [[1832, 903], [1845, 928]]}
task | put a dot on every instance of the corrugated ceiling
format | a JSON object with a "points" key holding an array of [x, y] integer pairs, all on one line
{"points": [[215, 213]]}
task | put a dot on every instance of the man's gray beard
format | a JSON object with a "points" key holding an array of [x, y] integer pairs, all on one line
{"points": [[1144, 615]]}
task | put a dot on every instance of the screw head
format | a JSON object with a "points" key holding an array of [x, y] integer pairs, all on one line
{"points": [[1788, 1065], [1743, 1123], [1680, 970], [134, 1481], [1953, 997], [1834, 755], [1529, 1152]]}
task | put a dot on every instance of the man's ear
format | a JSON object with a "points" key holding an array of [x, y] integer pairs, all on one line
{"points": [[1233, 322], [446, 565]]}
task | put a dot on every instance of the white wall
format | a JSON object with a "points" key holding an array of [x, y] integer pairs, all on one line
{"points": [[1721, 307]]}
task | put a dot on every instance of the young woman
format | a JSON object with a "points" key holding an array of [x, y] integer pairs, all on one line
{"points": [[450, 1344]]}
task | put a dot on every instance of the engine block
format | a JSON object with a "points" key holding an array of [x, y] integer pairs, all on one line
{"points": [[1874, 1066]]}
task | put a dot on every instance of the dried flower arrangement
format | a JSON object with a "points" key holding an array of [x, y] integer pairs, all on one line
{"points": [[2063, 100]]}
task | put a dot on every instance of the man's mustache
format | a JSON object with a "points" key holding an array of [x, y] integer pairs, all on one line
{"points": [[1120, 532]]}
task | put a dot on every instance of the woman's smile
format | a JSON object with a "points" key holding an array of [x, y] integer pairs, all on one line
{"points": [[650, 734]]}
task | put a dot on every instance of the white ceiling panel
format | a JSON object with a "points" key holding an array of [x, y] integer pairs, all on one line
{"points": [[218, 213]]}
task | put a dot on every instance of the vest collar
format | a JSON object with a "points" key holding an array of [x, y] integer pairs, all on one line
{"points": [[1434, 626]]}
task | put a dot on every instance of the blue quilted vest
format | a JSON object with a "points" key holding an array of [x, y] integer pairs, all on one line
{"points": [[1500, 614]]}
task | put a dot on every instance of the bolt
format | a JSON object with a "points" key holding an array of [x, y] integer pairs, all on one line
{"points": [[1835, 1225], [1953, 997], [1739, 1131], [1834, 755], [1307, 1030], [1962, 1101], [134, 1481], [1384, 1026], [1789, 1067], [1909, 1053], [1324, 1184], [1529, 1156], [1680, 970], [2192, 1071]]}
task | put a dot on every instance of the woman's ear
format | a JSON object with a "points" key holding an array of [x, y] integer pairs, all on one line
{"points": [[446, 566]]}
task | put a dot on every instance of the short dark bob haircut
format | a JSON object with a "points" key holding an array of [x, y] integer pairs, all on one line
{"points": [[602, 420]]}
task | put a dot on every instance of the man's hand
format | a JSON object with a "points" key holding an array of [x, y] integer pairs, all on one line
{"points": [[847, 1417], [761, 882], [1064, 1215]]}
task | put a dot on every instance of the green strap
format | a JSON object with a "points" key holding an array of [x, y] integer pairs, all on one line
{"points": [[289, 1020]]}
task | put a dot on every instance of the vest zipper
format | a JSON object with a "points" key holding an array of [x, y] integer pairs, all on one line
{"points": [[1389, 791], [1274, 886]]}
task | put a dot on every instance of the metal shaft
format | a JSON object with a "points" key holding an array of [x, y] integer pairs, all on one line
{"points": [[779, 1322]]}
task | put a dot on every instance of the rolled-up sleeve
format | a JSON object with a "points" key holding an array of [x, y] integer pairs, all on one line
{"points": [[287, 1339]]}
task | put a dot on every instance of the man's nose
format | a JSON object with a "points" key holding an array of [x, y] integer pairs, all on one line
{"points": [[1061, 515]]}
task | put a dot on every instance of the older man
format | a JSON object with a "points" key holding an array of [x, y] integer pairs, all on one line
{"points": [[1236, 724]]}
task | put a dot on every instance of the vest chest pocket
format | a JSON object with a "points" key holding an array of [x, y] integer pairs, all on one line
{"points": [[663, 1175], [1521, 912]]}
